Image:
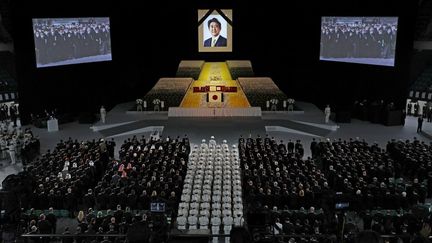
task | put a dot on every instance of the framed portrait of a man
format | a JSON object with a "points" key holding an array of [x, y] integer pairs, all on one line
{"points": [[215, 30]]}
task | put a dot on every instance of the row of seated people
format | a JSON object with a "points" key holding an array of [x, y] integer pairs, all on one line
{"points": [[291, 148], [397, 226], [401, 159], [414, 158], [90, 222], [90, 219], [61, 177], [157, 166], [274, 225], [395, 178], [212, 192], [301, 222], [291, 225], [147, 170], [180, 144], [391, 222], [74, 168], [382, 221], [368, 175], [274, 177], [353, 172], [287, 226], [408, 159]]}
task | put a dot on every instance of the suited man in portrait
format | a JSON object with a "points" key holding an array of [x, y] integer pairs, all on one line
{"points": [[216, 40]]}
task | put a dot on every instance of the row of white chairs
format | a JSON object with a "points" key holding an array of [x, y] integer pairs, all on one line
{"points": [[212, 192]]}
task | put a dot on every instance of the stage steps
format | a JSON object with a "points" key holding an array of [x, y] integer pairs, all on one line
{"points": [[215, 74]]}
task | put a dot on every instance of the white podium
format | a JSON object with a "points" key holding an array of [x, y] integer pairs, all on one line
{"points": [[52, 125]]}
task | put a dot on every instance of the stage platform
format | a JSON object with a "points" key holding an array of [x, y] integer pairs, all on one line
{"points": [[223, 98], [307, 122], [199, 84]]}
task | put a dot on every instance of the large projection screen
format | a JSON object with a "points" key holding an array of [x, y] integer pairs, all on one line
{"points": [[365, 40], [63, 41], [215, 30]]}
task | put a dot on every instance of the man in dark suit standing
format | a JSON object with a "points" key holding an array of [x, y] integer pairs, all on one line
{"points": [[419, 123], [216, 40]]}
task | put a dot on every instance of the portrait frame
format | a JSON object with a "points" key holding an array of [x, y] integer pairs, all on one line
{"points": [[225, 17]]}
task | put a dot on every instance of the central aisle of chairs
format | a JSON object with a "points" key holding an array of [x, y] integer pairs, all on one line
{"points": [[212, 191]]}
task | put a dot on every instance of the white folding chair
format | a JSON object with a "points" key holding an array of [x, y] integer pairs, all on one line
{"points": [[205, 206], [227, 222], [216, 222], [193, 212], [192, 222], [216, 205], [181, 223], [203, 222]]}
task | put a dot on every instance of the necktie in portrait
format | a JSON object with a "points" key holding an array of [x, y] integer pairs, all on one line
{"points": [[213, 42]]}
